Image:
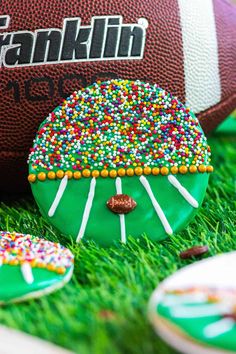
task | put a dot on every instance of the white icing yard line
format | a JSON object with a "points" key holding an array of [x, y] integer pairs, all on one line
{"points": [[156, 206], [122, 216], [27, 273], [58, 197], [198, 311], [222, 326], [186, 299], [87, 209], [183, 191]]}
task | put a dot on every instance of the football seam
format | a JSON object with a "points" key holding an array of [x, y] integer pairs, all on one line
{"points": [[8, 153]]}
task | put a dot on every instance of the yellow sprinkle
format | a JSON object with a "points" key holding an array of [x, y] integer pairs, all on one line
{"points": [[32, 178], [192, 169], [95, 173], [174, 170], [77, 175], [69, 174], [147, 170], [121, 172], [155, 171], [104, 173], [210, 168], [138, 171], [164, 171], [183, 169], [60, 270], [86, 173], [51, 175], [130, 172], [60, 174], [202, 168], [113, 173], [42, 176]]}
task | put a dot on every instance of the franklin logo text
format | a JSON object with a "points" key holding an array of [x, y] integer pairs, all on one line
{"points": [[106, 38]]}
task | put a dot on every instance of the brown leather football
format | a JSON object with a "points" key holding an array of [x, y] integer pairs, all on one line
{"points": [[48, 49]]}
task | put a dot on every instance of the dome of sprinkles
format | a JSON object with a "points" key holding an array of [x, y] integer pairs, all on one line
{"points": [[17, 249], [119, 124]]}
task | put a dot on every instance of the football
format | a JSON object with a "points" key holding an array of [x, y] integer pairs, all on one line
{"points": [[121, 204], [49, 49]]}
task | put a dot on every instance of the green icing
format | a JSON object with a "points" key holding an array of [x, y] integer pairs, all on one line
{"points": [[104, 226], [228, 126], [13, 286], [194, 327]]}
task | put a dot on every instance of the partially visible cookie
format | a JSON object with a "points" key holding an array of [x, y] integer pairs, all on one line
{"points": [[228, 126], [11, 339], [119, 158], [194, 310], [31, 267]]}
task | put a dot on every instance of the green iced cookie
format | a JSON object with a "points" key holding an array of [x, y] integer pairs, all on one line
{"points": [[31, 267], [119, 158], [194, 310], [228, 126]]}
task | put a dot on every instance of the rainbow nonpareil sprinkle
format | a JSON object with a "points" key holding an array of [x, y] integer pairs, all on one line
{"points": [[17, 249], [119, 124]]}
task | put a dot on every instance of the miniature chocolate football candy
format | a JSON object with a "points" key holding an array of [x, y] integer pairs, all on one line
{"points": [[194, 310], [31, 267], [121, 204], [119, 158], [195, 251]]}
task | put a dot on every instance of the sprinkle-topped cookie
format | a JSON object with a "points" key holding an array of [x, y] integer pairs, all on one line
{"points": [[31, 266], [119, 158], [195, 308], [119, 125], [16, 248]]}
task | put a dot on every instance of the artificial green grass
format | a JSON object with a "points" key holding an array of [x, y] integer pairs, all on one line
{"points": [[103, 309]]}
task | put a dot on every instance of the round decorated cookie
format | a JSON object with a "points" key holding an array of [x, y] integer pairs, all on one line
{"points": [[119, 158], [11, 339], [194, 310], [31, 267]]}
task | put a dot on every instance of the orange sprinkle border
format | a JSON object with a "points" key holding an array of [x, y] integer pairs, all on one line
{"points": [[121, 172]]}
